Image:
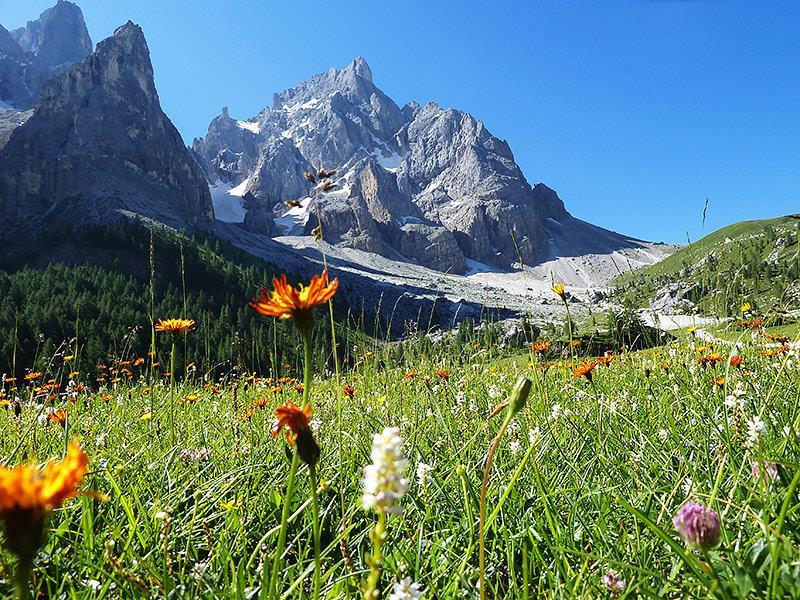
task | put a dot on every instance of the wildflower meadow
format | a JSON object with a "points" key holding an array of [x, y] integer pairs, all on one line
{"points": [[448, 470]]}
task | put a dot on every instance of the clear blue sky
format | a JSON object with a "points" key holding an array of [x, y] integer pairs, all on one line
{"points": [[634, 112]]}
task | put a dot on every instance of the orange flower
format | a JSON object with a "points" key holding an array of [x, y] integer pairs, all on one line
{"points": [[32, 376], [606, 359], [349, 391], [710, 359], [442, 374], [410, 374], [541, 346], [29, 494], [293, 418], [719, 382], [59, 416], [175, 326], [287, 302], [584, 370], [736, 361]]}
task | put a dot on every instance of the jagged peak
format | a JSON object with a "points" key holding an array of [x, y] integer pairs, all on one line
{"points": [[129, 29], [360, 67]]}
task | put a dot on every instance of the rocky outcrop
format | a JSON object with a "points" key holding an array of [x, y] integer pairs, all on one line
{"points": [[46, 47], [419, 183], [98, 146]]}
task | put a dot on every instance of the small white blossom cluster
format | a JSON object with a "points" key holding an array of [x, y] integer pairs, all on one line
{"points": [[756, 428], [423, 475], [195, 455], [385, 483], [406, 590]]}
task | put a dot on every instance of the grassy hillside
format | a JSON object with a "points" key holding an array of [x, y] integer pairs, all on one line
{"points": [[752, 261]]}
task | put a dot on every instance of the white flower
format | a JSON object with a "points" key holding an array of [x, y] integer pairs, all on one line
{"points": [[405, 589], [556, 412], [423, 475], [515, 447], [534, 435], [755, 430], [663, 433], [94, 585], [384, 482]]}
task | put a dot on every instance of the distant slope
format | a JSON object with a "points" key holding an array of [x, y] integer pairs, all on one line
{"points": [[751, 261]]}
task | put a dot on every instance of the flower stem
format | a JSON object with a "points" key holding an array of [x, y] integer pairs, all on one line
{"points": [[287, 500], [172, 390], [482, 516], [22, 581], [312, 471], [374, 560], [306, 366]]}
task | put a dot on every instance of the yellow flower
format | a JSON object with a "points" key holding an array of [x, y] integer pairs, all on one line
{"points": [[175, 326], [559, 290], [746, 307]]}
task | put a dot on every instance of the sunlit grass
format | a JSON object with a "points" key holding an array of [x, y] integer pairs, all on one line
{"points": [[586, 479]]}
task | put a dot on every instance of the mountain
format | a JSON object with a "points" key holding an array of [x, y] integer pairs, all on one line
{"points": [[421, 184], [48, 46], [97, 146], [755, 262]]}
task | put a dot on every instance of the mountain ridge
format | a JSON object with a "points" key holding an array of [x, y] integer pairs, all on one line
{"points": [[420, 183]]}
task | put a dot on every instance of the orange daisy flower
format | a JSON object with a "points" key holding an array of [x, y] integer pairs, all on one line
{"points": [[541, 346], [584, 370], [59, 416], [294, 418], [175, 326], [442, 374], [287, 302], [349, 391], [29, 494], [709, 359], [736, 361]]}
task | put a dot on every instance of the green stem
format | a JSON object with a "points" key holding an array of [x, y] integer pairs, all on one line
{"points": [[374, 560], [482, 516], [569, 331], [172, 390], [287, 500], [306, 366], [312, 471], [22, 580]]}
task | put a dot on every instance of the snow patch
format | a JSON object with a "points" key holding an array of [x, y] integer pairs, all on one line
{"points": [[304, 106], [409, 219], [293, 221], [228, 206], [254, 128]]}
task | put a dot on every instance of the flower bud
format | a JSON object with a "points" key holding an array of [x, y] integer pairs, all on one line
{"points": [[698, 525], [519, 395]]}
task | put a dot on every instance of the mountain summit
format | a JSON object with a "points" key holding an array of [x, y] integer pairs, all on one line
{"points": [[31, 55], [98, 146], [419, 183]]}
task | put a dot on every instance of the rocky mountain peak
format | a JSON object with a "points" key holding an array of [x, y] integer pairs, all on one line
{"points": [[58, 37], [98, 146], [46, 47], [360, 68]]}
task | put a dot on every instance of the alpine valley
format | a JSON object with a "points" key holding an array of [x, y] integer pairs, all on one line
{"points": [[421, 206]]}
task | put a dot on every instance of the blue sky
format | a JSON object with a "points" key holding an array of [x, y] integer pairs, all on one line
{"points": [[634, 112]]}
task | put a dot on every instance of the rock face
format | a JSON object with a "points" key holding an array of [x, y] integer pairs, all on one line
{"points": [[418, 183], [31, 55], [98, 146]]}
